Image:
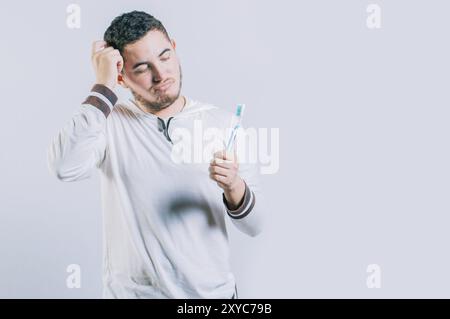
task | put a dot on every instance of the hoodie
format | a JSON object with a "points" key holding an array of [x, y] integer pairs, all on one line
{"points": [[164, 230]]}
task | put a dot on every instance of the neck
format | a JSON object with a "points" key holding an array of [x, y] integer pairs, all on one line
{"points": [[169, 111]]}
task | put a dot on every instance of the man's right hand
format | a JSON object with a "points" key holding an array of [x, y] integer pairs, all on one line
{"points": [[107, 63]]}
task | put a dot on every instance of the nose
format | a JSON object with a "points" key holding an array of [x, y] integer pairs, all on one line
{"points": [[158, 74]]}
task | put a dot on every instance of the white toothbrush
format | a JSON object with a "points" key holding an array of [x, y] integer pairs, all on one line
{"points": [[236, 119]]}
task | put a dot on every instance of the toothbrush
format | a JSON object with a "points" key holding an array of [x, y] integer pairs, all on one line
{"points": [[236, 119]]}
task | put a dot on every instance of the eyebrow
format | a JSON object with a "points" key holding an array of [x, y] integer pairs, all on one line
{"points": [[141, 63]]}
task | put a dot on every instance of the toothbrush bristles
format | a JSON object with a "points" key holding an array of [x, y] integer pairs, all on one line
{"points": [[240, 110]]}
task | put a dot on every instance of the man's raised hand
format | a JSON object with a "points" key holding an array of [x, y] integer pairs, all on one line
{"points": [[107, 63]]}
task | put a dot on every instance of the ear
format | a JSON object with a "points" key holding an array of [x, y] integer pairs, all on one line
{"points": [[121, 81], [174, 44]]}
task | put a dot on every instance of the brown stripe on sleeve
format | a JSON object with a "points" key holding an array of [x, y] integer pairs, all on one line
{"points": [[106, 92], [98, 103], [245, 208]]}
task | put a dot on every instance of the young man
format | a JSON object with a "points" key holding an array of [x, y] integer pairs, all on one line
{"points": [[164, 219]]}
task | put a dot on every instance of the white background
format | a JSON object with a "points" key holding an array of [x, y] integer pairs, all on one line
{"points": [[363, 115]]}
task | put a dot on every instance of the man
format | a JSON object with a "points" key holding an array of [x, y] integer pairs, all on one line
{"points": [[164, 220]]}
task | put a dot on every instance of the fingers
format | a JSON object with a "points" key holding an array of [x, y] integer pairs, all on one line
{"points": [[107, 63], [97, 46], [220, 155], [224, 171], [111, 56], [102, 52], [222, 163], [216, 170], [219, 179], [225, 160], [226, 155], [109, 51]]}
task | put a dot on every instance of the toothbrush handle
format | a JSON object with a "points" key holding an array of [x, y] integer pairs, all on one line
{"points": [[232, 138]]}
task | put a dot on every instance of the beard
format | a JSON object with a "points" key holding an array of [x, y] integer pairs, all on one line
{"points": [[160, 100]]}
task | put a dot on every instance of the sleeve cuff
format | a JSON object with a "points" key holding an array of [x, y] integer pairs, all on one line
{"points": [[102, 98], [245, 208]]}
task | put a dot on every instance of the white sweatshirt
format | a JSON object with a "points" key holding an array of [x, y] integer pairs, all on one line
{"points": [[164, 220]]}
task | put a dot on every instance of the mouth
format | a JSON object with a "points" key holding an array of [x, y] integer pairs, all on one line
{"points": [[163, 87]]}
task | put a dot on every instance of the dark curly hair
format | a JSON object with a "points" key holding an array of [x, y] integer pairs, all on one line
{"points": [[130, 27]]}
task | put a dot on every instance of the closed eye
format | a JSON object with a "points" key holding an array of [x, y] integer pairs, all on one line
{"points": [[165, 56], [142, 69]]}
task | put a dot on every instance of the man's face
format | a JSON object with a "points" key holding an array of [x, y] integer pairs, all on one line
{"points": [[152, 70]]}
